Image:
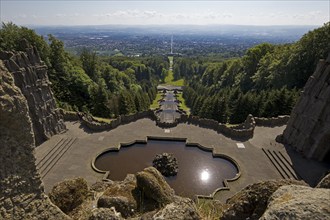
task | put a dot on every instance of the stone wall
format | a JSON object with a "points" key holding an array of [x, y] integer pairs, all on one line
{"points": [[21, 190], [272, 122], [244, 130], [122, 119], [308, 130], [30, 75]]}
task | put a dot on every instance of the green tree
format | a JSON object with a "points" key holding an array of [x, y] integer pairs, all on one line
{"points": [[89, 63], [100, 102], [11, 37]]}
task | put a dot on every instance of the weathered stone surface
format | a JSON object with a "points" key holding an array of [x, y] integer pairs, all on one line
{"points": [[251, 202], [21, 191], [122, 204], [166, 164], [101, 186], [180, 209], [30, 75], [325, 182], [123, 189], [105, 214], [308, 130], [153, 185], [298, 202], [68, 194]]}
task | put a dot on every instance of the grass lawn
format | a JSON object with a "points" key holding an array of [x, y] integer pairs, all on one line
{"points": [[169, 80], [106, 120], [170, 58], [183, 104], [155, 103]]}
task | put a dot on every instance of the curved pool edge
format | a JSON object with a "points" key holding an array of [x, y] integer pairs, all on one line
{"points": [[188, 144]]}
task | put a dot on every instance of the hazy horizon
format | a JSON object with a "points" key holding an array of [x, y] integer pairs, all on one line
{"points": [[162, 13]]}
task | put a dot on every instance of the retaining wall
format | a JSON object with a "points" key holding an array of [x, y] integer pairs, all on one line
{"points": [[244, 130], [272, 122]]}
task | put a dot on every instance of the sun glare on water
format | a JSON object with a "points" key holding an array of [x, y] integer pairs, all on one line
{"points": [[205, 175]]}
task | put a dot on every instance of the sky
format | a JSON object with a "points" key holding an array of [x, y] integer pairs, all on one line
{"points": [[86, 12]]}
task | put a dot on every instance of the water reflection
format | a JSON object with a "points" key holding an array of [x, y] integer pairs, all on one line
{"points": [[205, 175]]}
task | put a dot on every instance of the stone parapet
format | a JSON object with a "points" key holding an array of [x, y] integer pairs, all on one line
{"points": [[273, 121]]}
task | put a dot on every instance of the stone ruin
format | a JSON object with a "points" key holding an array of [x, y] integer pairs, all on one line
{"points": [[308, 129], [30, 76]]}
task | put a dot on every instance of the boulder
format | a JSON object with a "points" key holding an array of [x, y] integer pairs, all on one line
{"points": [[101, 186], [325, 182], [298, 202], [181, 208], [105, 214], [153, 185], [69, 194], [251, 202], [122, 195], [166, 164], [122, 204]]}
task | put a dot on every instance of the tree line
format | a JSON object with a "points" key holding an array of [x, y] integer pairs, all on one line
{"points": [[102, 86], [265, 82]]}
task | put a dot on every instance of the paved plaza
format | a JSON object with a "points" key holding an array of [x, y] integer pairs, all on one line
{"points": [[80, 146]]}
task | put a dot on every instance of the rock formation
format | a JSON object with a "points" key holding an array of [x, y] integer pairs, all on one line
{"points": [[151, 198], [104, 214], [298, 202], [308, 129], [30, 76], [182, 208], [325, 182], [251, 202], [166, 164], [154, 186], [69, 194], [122, 196], [21, 191]]}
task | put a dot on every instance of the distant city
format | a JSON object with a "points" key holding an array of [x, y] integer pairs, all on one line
{"points": [[189, 40]]}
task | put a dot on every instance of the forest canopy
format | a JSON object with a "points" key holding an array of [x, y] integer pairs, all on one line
{"points": [[265, 82]]}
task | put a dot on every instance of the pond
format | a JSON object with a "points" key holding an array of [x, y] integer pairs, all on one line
{"points": [[200, 173]]}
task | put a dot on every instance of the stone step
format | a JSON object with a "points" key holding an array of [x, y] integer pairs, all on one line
{"points": [[49, 153], [281, 163], [288, 165], [60, 149]]}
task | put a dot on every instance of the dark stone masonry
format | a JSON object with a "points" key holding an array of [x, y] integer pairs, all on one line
{"points": [[21, 192], [30, 76], [308, 130]]}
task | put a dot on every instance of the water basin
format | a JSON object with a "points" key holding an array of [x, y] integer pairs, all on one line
{"points": [[200, 173]]}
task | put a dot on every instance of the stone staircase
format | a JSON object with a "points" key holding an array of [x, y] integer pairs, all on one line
{"points": [[282, 164], [49, 160]]}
